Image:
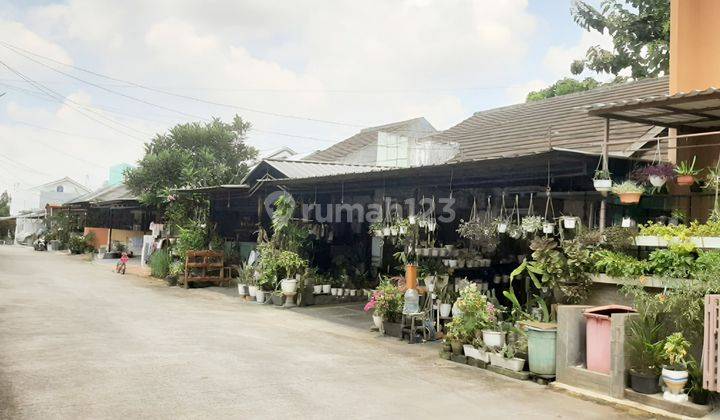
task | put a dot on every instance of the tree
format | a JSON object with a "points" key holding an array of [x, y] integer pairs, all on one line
{"points": [[563, 87], [640, 30], [190, 155], [5, 204]]}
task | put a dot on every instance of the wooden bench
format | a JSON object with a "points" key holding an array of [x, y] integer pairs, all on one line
{"points": [[205, 267]]}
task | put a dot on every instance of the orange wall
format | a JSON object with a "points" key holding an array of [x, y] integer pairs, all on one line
{"points": [[694, 45], [102, 235]]}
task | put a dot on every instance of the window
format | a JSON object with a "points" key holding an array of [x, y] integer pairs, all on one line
{"points": [[59, 188]]}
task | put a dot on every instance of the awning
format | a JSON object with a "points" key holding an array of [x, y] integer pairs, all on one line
{"points": [[697, 109]]}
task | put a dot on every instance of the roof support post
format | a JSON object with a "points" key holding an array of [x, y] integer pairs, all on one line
{"points": [[605, 167]]}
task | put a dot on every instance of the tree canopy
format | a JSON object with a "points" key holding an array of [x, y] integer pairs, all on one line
{"points": [[563, 87], [640, 30], [5, 204], [191, 155]]}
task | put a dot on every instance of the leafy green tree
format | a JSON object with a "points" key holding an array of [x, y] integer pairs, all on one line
{"points": [[563, 87], [190, 155], [5, 204], [641, 37]]}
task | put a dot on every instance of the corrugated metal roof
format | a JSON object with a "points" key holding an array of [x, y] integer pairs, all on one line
{"points": [[118, 192], [365, 137], [555, 122], [309, 169], [696, 109]]}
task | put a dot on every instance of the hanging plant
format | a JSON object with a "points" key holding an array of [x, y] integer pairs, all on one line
{"points": [[569, 222], [686, 173], [531, 224], [629, 192], [548, 224], [602, 180], [514, 229], [659, 174]]}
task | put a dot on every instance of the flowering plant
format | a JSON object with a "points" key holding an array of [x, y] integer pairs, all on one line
{"points": [[387, 302], [477, 315], [662, 170]]}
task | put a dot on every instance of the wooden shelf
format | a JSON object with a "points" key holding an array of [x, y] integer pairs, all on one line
{"points": [[210, 261]]}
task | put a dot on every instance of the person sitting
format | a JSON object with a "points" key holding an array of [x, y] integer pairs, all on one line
{"points": [[122, 263]]}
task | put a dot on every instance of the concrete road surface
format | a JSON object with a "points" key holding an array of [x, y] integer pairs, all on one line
{"points": [[78, 341]]}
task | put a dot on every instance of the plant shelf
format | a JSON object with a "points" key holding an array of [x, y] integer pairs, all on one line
{"points": [[707, 242], [645, 281]]}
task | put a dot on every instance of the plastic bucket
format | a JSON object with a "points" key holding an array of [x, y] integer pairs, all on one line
{"points": [[541, 350], [597, 344]]}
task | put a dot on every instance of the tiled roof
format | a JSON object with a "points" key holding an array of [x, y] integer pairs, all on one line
{"points": [[366, 136], [306, 169], [119, 192], [559, 122]]}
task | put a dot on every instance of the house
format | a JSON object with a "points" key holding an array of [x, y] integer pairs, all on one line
{"points": [[51, 193]]}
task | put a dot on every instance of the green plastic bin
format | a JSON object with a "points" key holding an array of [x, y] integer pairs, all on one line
{"points": [[541, 350]]}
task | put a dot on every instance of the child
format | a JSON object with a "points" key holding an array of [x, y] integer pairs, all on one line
{"points": [[122, 264]]}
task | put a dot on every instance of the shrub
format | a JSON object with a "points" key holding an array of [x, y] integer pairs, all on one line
{"points": [[160, 264], [81, 244]]}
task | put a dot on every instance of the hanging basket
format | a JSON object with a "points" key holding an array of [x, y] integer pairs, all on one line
{"points": [[548, 228], [569, 222], [502, 227], [602, 185], [626, 222], [657, 181], [630, 198]]}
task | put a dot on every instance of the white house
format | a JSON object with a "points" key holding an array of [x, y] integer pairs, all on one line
{"points": [[53, 193]]}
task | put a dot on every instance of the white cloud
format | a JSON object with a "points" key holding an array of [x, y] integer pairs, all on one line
{"points": [[391, 60]]}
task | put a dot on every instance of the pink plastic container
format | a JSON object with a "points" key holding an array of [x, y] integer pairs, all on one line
{"points": [[597, 335]]}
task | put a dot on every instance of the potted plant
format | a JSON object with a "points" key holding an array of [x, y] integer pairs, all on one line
{"points": [[629, 192], [531, 224], [252, 284], [291, 263], [602, 181], [569, 222], [675, 373], [686, 173], [508, 359], [659, 173], [389, 304], [696, 392], [277, 297], [371, 306], [446, 299], [645, 352], [548, 227], [376, 229]]}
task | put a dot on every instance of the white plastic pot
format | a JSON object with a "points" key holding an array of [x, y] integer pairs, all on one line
{"points": [[260, 296], [317, 289], [515, 364], [347, 292], [289, 286], [494, 339], [675, 380], [252, 291], [626, 222], [340, 291], [602, 185], [412, 219], [431, 225], [657, 181], [334, 291], [445, 309], [548, 227], [378, 321], [470, 351], [353, 292], [378, 232], [452, 263], [386, 231], [502, 227], [393, 231], [242, 289], [326, 288], [569, 222], [403, 230]]}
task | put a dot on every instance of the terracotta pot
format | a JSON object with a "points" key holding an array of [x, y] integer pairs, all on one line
{"points": [[630, 198], [685, 180], [411, 276]]}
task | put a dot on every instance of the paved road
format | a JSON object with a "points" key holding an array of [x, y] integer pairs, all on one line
{"points": [[77, 341]]}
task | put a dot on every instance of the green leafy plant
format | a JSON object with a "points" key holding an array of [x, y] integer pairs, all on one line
{"points": [[615, 264], [645, 345], [81, 244], [676, 262], [685, 169], [602, 174], [389, 301], [675, 350], [627, 187], [160, 262]]}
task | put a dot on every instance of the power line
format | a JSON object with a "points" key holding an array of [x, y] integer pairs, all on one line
{"points": [[276, 114], [23, 166], [55, 95]]}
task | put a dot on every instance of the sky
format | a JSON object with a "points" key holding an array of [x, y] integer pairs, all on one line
{"points": [[306, 73]]}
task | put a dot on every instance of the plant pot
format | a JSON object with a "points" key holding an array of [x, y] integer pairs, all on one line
{"points": [[289, 286], [378, 233], [626, 222], [452, 263], [260, 296], [541, 350], [685, 180], [353, 292], [457, 347], [496, 359], [602, 185], [657, 181], [548, 228], [445, 309], [515, 364], [644, 383], [493, 339], [431, 225], [393, 231], [455, 308], [386, 231], [470, 351], [326, 288], [317, 289], [674, 380], [402, 230], [347, 292], [252, 291], [277, 299], [700, 397], [630, 198], [412, 219], [378, 321], [502, 227], [392, 329], [569, 222], [242, 289], [334, 291], [340, 291]]}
